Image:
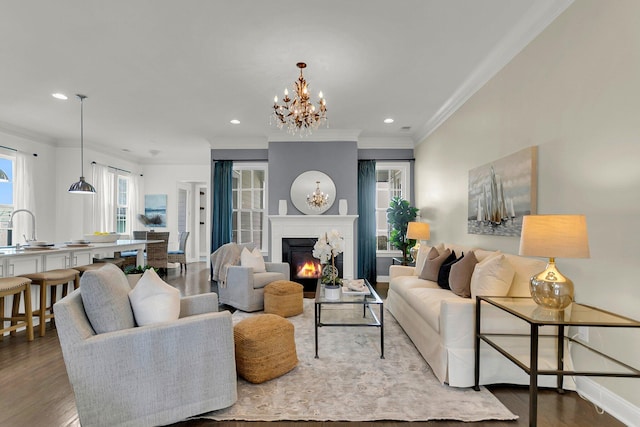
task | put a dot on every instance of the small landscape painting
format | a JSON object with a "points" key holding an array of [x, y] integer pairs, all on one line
{"points": [[155, 209], [501, 193]]}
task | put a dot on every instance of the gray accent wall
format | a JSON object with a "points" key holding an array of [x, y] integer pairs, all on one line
{"points": [[338, 159]]}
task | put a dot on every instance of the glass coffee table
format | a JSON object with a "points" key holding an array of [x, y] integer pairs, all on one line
{"points": [[362, 312]]}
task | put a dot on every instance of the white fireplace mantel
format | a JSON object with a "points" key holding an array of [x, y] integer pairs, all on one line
{"points": [[291, 226]]}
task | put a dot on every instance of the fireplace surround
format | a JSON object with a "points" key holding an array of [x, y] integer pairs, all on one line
{"points": [[312, 226]]}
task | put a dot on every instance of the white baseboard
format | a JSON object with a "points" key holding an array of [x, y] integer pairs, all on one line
{"points": [[382, 279], [610, 402]]}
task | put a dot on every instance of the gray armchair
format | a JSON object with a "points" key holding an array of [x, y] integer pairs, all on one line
{"points": [[244, 289], [149, 375]]}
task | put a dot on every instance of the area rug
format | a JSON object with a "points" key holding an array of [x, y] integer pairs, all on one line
{"points": [[350, 382]]}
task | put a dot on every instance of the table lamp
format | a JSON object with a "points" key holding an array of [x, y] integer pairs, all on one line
{"points": [[553, 236], [418, 231]]}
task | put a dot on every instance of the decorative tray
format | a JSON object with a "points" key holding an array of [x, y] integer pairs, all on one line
{"points": [[355, 287], [77, 245]]}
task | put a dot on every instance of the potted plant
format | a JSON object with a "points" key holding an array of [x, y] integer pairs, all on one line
{"points": [[399, 215], [134, 273], [326, 249]]}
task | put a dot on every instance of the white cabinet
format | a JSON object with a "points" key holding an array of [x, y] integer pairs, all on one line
{"points": [[23, 265], [81, 258], [56, 261]]}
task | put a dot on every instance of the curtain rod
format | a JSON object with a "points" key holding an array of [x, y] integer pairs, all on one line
{"points": [[13, 149], [112, 167]]}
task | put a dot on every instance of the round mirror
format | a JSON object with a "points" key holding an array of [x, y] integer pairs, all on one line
{"points": [[313, 192]]}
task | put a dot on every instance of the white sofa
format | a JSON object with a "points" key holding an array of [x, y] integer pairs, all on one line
{"points": [[441, 324]]}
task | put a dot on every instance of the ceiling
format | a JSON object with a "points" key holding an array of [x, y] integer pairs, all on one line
{"points": [[164, 78]]}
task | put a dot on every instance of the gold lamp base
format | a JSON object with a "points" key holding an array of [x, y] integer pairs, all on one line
{"points": [[414, 251], [550, 289]]}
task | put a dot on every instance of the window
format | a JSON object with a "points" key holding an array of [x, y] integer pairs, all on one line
{"points": [[6, 198], [122, 204], [392, 179], [249, 204]]}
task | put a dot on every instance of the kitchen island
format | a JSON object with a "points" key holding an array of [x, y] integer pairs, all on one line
{"points": [[26, 260]]}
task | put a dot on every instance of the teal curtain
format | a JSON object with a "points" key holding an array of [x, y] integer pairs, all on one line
{"points": [[367, 220], [222, 203]]}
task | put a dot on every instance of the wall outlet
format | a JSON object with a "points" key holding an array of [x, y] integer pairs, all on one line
{"points": [[583, 333]]}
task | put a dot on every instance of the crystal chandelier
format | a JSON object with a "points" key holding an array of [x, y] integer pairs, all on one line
{"points": [[317, 199], [299, 114]]}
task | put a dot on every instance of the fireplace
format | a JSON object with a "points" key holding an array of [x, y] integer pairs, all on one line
{"points": [[303, 267], [310, 227]]}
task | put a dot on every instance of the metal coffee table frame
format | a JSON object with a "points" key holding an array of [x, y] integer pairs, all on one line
{"points": [[367, 301]]}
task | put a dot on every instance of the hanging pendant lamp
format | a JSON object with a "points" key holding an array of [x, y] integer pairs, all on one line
{"points": [[82, 186]]}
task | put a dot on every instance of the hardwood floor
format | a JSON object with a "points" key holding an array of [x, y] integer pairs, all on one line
{"points": [[35, 390]]}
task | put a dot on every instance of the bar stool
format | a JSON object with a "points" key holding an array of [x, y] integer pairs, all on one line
{"points": [[119, 262], [50, 280], [82, 268], [16, 286]]}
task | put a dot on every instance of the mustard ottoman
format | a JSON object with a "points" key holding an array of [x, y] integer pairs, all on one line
{"points": [[283, 298], [265, 347]]}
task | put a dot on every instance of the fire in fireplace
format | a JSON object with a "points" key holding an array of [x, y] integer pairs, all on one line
{"points": [[303, 267]]}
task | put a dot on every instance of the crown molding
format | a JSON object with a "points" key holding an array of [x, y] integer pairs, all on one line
{"points": [[539, 17], [22, 133], [320, 135]]}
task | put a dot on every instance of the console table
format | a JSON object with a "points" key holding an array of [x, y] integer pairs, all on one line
{"points": [[575, 315]]}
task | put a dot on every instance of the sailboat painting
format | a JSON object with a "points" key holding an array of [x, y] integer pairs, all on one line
{"points": [[501, 193]]}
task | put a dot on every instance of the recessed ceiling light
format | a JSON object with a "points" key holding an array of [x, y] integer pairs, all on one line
{"points": [[60, 96], [388, 120], [234, 121]]}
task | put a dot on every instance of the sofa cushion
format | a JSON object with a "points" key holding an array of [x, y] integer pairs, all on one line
{"points": [[153, 300], [253, 260], [492, 277], [402, 284], [445, 269], [105, 296], [260, 280], [432, 266], [427, 302], [460, 275]]}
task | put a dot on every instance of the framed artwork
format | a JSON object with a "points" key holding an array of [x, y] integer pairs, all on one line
{"points": [[155, 210], [501, 193]]}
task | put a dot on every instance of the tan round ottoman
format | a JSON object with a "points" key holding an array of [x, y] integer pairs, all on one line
{"points": [[265, 347], [283, 298]]}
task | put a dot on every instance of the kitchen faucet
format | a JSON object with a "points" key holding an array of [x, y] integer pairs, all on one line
{"points": [[33, 221]]}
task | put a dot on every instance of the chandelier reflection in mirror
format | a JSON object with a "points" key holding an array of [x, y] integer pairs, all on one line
{"points": [[299, 115], [317, 199]]}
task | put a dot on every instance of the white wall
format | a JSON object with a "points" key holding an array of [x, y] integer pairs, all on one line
{"points": [[165, 179], [575, 93]]}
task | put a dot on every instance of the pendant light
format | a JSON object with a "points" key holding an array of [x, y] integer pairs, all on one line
{"points": [[82, 186]]}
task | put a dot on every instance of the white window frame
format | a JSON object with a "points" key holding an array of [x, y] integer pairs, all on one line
{"points": [[405, 167], [5, 207], [263, 166], [118, 206]]}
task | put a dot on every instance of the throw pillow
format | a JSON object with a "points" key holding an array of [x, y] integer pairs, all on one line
{"points": [[460, 275], [432, 266], [253, 260], [153, 300], [105, 296], [445, 269], [492, 277], [426, 252]]}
